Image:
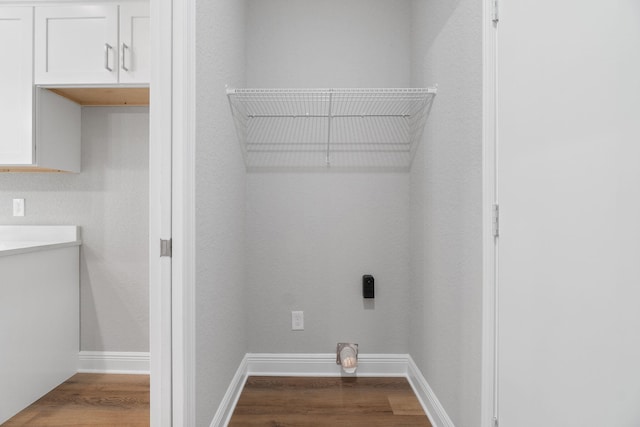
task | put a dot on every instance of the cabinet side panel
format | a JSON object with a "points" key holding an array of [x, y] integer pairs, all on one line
{"points": [[39, 325], [58, 132]]}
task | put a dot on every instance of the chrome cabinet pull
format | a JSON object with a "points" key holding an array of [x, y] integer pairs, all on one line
{"points": [[107, 48], [124, 55]]}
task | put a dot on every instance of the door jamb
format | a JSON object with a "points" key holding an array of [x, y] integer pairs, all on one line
{"points": [[489, 402], [183, 208], [170, 139]]}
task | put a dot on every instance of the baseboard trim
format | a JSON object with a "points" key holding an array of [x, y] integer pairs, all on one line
{"points": [[434, 410], [230, 398], [114, 362], [324, 365]]}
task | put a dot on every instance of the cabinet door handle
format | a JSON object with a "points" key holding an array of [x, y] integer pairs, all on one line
{"points": [[107, 48], [124, 55]]}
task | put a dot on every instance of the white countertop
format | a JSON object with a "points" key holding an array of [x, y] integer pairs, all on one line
{"points": [[17, 239]]}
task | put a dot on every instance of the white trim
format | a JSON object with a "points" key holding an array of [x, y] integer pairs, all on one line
{"points": [[183, 214], [114, 362], [324, 365], [230, 398], [488, 394], [432, 406], [59, 2], [160, 135]]}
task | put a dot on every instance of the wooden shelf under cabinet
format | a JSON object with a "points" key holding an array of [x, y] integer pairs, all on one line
{"points": [[105, 96], [32, 169]]}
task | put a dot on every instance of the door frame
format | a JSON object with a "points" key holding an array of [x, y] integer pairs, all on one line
{"points": [[172, 131], [172, 212], [490, 218], [183, 207], [160, 145]]}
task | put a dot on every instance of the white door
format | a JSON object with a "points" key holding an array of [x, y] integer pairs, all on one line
{"points": [[569, 195], [16, 85], [134, 43], [76, 44]]}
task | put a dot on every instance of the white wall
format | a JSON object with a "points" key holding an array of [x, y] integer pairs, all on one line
{"points": [[109, 200], [570, 214], [446, 201], [220, 199], [311, 237], [329, 43]]}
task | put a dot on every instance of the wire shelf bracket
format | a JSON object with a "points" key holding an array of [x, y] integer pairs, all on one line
{"points": [[337, 128]]}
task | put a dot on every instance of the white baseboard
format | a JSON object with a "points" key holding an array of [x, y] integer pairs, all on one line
{"points": [[114, 362], [427, 397], [230, 398], [324, 365]]}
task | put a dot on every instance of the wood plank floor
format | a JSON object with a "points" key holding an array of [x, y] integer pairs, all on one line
{"points": [[90, 400], [322, 401]]}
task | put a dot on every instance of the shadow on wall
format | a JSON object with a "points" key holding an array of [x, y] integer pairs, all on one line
{"points": [[88, 314], [432, 19], [110, 288]]}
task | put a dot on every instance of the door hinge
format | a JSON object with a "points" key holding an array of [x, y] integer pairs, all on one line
{"points": [[496, 220], [165, 248], [496, 15]]}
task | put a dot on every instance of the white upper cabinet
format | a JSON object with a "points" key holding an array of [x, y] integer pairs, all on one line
{"points": [[76, 44], [39, 130], [134, 43], [84, 51], [16, 101], [81, 44]]}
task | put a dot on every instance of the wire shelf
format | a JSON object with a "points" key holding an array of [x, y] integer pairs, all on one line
{"points": [[338, 128]]}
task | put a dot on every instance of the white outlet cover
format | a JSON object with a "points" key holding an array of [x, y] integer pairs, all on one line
{"points": [[297, 320], [18, 207]]}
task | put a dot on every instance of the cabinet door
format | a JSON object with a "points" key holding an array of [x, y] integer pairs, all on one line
{"points": [[16, 85], [134, 43], [76, 44]]}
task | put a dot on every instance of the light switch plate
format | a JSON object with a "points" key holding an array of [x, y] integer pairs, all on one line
{"points": [[297, 320], [18, 207]]}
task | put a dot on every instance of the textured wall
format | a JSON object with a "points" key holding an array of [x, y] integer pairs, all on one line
{"points": [[311, 237], [109, 200], [329, 43], [220, 199], [446, 209]]}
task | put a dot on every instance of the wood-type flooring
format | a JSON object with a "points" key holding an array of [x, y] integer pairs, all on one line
{"points": [[90, 400], [328, 401], [123, 400]]}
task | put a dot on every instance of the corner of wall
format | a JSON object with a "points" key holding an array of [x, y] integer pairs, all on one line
{"points": [[446, 206], [311, 365]]}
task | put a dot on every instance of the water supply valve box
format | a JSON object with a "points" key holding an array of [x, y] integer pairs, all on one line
{"points": [[368, 290]]}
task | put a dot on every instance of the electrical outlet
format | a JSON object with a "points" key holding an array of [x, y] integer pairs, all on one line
{"points": [[18, 207], [297, 320]]}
